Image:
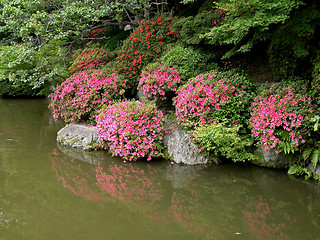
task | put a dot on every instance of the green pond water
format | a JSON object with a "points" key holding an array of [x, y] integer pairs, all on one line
{"points": [[50, 192]]}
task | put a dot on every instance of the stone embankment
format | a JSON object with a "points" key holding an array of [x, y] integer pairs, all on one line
{"points": [[179, 146]]}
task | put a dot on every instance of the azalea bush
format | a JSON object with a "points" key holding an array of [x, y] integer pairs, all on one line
{"points": [[79, 96], [146, 43], [89, 58], [156, 80], [214, 108], [131, 130], [213, 97], [280, 117]]}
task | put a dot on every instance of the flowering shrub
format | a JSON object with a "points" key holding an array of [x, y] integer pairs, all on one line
{"points": [[88, 59], [158, 80], [214, 97], [279, 117], [131, 130], [78, 97], [146, 43], [98, 32]]}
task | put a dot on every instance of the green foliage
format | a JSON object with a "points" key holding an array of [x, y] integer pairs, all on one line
{"points": [[292, 44], [300, 171], [49, 30], [31, 68], [221, 141], [315, 84], [245, 23], [190, 28], [21, 89], [222, 130], [236, 109], [188, 61], [114, 39]]}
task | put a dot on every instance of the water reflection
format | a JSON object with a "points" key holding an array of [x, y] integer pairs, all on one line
{"points": [[51, 192], [205, 201]]}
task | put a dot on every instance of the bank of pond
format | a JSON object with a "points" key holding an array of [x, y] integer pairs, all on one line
{"points": [[53, 192]]}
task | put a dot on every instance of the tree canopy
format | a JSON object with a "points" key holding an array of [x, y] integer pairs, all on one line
{"points": [[38, 37]]}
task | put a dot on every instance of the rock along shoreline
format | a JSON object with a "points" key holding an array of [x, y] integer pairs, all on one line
{"points": [[179, 146]]}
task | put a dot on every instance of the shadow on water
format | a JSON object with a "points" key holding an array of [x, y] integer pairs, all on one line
{"points": [[51, 192]]}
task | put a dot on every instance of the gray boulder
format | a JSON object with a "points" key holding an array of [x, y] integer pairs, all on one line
{"points": [[78, 136], [182, 150], [271, 159], [314, 170]]}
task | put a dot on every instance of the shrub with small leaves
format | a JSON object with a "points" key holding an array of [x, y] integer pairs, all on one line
{"points": [[89, 58], [131, 130], [188, 61], [145, 44], [280, 117], [79, 96], [156, 80], [214, 97], [223, 142]]}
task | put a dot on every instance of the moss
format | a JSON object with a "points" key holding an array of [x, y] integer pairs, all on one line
{"points": [[93, 146], [74, 141]]}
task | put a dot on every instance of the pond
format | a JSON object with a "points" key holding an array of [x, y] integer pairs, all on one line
{"points": [[51, 192]]}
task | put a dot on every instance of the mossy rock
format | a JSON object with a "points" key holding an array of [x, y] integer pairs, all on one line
{"points": [[270, 159]]}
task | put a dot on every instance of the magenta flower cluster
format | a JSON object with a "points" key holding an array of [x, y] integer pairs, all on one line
{"points": [[158, 80], [82, 94], [276, 112], [131, 129], [202, 95]]}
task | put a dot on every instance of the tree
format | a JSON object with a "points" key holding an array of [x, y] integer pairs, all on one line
{"points": [[37, 36], [242, 24]]}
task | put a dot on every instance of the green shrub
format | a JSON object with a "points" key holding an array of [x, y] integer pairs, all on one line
{"points": [[190, 28], [224, 142], [187, 61], [214, 107], [315, 84]]}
